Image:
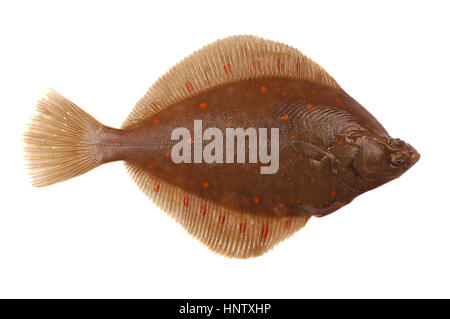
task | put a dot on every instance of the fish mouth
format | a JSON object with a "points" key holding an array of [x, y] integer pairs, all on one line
{"points": [[414, 156]]}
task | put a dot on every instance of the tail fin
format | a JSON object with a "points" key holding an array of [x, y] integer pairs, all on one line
{"points": [[59, 141]]}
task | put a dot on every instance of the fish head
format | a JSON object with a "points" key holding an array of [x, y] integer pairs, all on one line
{"points": [[365, 160], [380, 159]]}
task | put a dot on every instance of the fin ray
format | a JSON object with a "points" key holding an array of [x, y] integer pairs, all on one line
{"points": [[58, 141]]}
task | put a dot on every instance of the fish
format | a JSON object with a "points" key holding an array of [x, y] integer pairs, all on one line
{"points": [[325, 148]]}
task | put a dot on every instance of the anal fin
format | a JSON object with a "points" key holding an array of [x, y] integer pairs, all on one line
{"points": [[228, 232]]}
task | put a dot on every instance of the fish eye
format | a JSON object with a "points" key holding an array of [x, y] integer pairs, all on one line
{"points": [[398, 159]]}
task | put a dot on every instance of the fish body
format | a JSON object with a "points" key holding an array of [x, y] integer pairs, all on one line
{"points": [[327, 149]]}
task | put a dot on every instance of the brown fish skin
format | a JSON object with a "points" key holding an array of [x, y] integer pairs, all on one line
{"points": [[330, 148], [328, 119]]}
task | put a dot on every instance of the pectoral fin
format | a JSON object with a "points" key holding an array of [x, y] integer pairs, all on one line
{"points": [[309, 150], [314, 152]]}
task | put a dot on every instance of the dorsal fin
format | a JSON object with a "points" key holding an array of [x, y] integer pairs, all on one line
{"points": [[228, 60], [225, 231]]}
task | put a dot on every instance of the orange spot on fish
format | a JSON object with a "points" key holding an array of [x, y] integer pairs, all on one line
{"points": [[265, 231], [203, 106], [336, 139], [155, 121], [308, 106], [203, 211], [285, 117], [280, 65], [256, 65], [301, 158], [338, 100], [229, 124], [150, 165], [345, 123], [256, 199], [205, 184], [298, 201], [314, 92], [186, 201], [221, 219], [312, 180], [189, 86], [116, 142], [378, 158], [288, 224], [156, 189], [168, 154], [191, 140], [255, 171], [288, 178], [297, 66], [283, 93], [242, 227], [227, 68], [262, 89], [333, 193]]}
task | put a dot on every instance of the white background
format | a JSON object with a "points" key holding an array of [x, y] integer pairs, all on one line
{"points": [[98, 236]]}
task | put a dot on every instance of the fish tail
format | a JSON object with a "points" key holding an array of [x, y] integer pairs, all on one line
{"points": [[60, 141]]}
